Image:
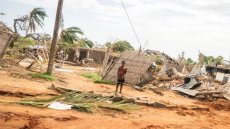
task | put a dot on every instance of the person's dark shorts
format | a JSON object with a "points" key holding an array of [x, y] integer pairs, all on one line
{"points": [[120, 81]]}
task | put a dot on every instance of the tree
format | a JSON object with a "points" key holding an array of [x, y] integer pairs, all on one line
{"points": [[20, 24], [85, 42], [70, 35], [209, 60], [40, 37], [108, 45], [31, 21], [70, 38], [23, 42], [36, 18], [55, 38], [181, 58], [219, 60], [189, 61], [121, 46]]}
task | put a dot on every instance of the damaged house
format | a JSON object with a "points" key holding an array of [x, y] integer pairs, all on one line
{"points": [[221, 74], [6, 37], [95, 55], [141, 66], [137, 64]]}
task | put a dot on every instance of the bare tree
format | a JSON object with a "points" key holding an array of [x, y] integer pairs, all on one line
{"points": [[20, 24]]}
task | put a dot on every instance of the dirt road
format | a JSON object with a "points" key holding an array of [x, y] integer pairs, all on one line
{"points": [[16, 85]]}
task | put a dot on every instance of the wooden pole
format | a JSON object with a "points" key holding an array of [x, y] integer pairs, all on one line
{"points": [[55, 38], [105, 62]]}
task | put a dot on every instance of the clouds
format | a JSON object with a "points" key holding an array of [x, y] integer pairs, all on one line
{"points": [[167, 25], [151, 10]]}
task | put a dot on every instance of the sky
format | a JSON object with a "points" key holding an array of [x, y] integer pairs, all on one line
{"points": [[170, 26]]}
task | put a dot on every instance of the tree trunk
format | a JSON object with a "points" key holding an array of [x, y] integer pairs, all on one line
{"points": [[15, 26], [15, 30], [55, 38], [28, 28]]}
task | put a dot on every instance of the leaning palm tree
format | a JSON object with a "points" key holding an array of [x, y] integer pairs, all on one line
{"points": [[85, 42], [70, 35], [121, 46], [36, 18], [31, 21]]}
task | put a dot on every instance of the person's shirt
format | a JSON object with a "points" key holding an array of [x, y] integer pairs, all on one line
{"points": [[122, 71]]}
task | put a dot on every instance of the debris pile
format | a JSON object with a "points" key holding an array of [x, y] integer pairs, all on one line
{"points": [[145, 72], [34, 56], [199, 85], [137, 63]]}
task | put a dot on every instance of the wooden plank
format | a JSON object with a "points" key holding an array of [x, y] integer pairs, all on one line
{"points": [[105, 62]]}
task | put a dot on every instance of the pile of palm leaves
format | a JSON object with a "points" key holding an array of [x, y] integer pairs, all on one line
{"points": [[85, 102]]}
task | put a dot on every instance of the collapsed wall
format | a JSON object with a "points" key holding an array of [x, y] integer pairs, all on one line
{"points": [[137, 64], [6, 37]]}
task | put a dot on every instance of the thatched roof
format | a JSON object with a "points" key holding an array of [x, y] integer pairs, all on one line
{"points": [[5, 29], [6, 37]]}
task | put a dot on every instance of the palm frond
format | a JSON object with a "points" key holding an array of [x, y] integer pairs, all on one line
{"points": [[70, 35], [37, 17], [84, 102]]}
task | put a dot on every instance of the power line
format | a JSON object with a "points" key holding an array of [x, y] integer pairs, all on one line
{"points": [[131, 24]]}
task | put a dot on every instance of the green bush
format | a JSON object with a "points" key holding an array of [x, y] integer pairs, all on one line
{"points": [[96, 78], [23, 42], [44, 76]]}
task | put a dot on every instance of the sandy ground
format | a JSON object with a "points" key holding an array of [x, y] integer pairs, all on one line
{"points": [[15, 84]]}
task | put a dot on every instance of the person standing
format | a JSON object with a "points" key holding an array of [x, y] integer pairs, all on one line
{"points": [[121, 75]]}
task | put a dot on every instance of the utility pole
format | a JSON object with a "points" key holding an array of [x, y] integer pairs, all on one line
{"points": [[55, 38]]}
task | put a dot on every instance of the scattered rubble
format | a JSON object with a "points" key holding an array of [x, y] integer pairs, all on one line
{"points": [[88, 69], [64, 70], [197, 82]]}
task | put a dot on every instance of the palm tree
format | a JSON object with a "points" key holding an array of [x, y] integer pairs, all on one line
{"points": [[85, 42], [31, 21], [55, 38], [121, 46], [70, 35], [36, 18]]}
